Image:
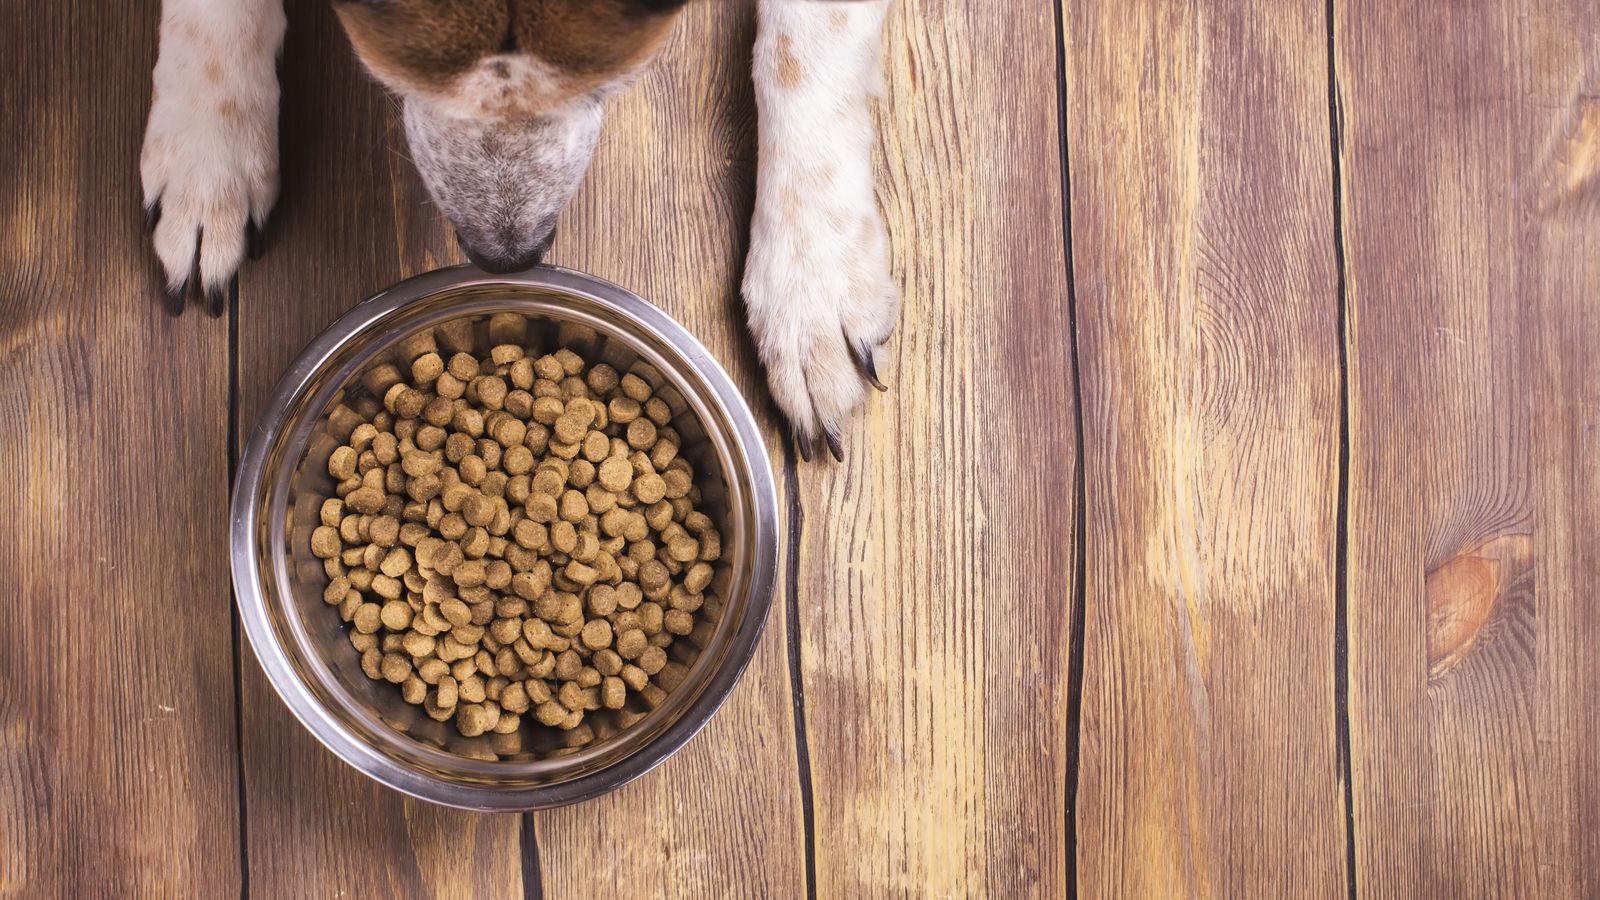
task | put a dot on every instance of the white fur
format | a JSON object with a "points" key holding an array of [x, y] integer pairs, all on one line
{"points": [[817, 277], [211, 146]]}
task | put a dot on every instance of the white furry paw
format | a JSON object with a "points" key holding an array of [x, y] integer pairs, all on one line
{"points": [[820, 301], [816, 282], [209, 165]]}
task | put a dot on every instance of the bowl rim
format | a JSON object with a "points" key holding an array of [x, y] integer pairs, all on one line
{"points": [[248, 568]]}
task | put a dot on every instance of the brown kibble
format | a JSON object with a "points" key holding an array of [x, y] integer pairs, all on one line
{"points": [[597, 634], [541, 507], [679, 622], [551, 713], [573, 507], [395, 668], [563, 536], [657, 411], [677, 482], [367, 618], [426, 368], [613, 693], [631, 643], [472, 720], [325, 542], [548, 410], [641, 434], [549, 367], [649, 488], [455, 612], [652, 660], [395, 615], [342, 463], [602, 379], [636, 388], [568, 664], [571, 363], [623, 410], [615, 474], [634, 677], [513, 537]]}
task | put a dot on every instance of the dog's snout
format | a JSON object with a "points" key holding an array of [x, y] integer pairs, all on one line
{"points": [[501, 263]]}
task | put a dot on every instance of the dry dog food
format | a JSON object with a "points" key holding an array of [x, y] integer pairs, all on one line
{"points": [[515, 539]]}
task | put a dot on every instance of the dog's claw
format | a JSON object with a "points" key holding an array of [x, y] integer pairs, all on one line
{"points": [[152, 216], [803, 442], [174, 298], [835, 445], [254, 239], [216, 301], [868, 366]]}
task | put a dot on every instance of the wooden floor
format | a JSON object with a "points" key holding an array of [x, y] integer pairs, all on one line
{"points": [[1231, 529]]}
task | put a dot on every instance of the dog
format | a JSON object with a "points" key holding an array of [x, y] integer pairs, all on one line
{"points": [[503, 102]]}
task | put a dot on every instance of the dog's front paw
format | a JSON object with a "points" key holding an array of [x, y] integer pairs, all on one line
{"points": [[820, 301], [209, 165]]}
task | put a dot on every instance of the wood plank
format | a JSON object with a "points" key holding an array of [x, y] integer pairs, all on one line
{"points": [[1471, 149], [664, 212], [352, 219], [1206, 286], [118, 770], [936, 563]]}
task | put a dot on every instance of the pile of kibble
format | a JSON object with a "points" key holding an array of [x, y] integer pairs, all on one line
{"points": [[514, 536]]}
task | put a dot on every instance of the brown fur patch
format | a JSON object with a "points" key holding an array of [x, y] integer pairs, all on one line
{"points": [[424, 43], [838, 20], [591, 37], [427, 44], [789, 71]]}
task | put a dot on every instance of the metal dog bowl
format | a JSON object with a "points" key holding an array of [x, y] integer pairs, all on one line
{"points": [[305, 649]]}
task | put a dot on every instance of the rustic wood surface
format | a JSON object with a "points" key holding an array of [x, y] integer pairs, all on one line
{"points": [[1228, 531], [1207, 308], [1471, 152]]}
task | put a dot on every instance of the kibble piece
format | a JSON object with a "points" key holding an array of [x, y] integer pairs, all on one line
{"points": [[395, 615], [325, 542], [615, 474], [634, 677], [678, 622], [551, 713], [367, 618], [636, 388], [395, 668], [613, 693], [652, 660], [426, 368], [597, 634], [649, 488], [641, 434], [472, 720], [631, 643], [572, 506], [563, 536]]}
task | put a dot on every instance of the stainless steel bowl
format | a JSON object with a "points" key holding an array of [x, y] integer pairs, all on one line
{"points": [[304, 648]]}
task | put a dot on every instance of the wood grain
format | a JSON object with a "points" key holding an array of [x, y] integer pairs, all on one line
{"points": [[1472, 224], [117, 762], [1207, 308], [352, 219], [936, 562], [664, 212]]}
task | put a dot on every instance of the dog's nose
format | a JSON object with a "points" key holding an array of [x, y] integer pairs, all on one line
{"points": [[502, 264]]}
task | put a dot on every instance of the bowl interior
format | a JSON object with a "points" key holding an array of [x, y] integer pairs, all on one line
{"points": [[351, 712]]}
